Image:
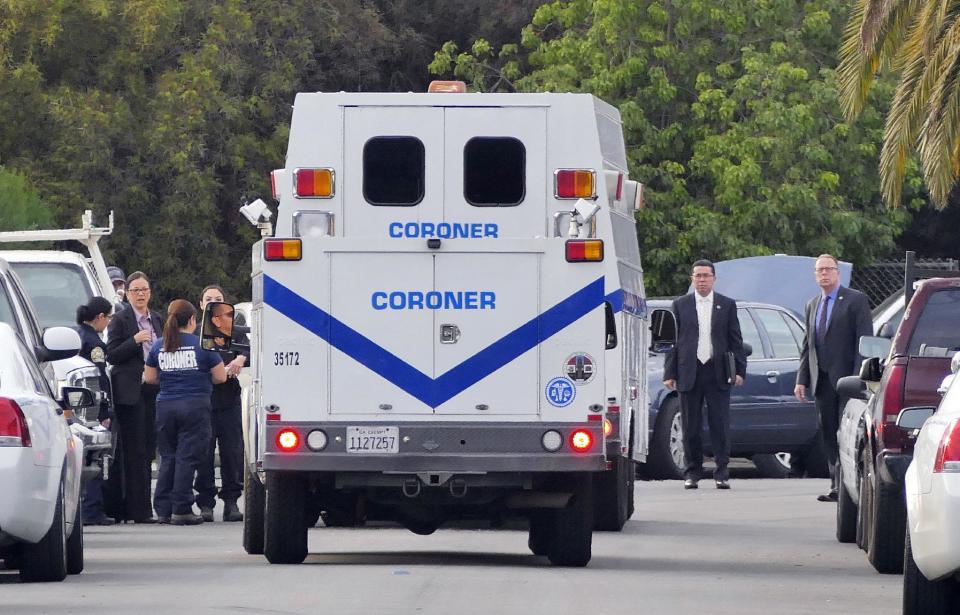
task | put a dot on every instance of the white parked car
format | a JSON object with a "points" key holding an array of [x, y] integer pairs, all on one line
{"points": [[41, 531], [931, 576]]}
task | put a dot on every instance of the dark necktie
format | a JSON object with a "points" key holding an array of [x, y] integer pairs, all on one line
{"points": [[822, 324]]}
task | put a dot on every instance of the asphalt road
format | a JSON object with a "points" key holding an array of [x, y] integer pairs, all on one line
{"points": [[765, 546]]}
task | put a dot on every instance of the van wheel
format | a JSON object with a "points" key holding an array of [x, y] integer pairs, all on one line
{"points": [[75, 543], [253, 504], [666, 459], [541, 524], [47, 560], [846, 512], [571, 537], [887, 519], [611, 495], [285, 527], [920, 595], [772, 465]]}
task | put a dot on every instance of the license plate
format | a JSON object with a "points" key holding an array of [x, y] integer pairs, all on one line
{"points": [[373, 439]]}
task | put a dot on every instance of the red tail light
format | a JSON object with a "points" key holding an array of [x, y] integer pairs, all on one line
{"points": [[890, 436], [581, 440], [948, 453], [13, 424], [288, 439]]}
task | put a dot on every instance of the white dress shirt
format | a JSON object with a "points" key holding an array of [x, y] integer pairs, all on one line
{"points": [[704, 322]]}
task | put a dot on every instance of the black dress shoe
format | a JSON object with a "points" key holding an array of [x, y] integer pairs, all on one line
{"points": [[690, 483], [723, 484], [146, 520], [187, 519], [828, 497], [104, 520], [163, 520]]}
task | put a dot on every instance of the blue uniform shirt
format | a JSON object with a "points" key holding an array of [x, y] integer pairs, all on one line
{"points": [[184, 372]]}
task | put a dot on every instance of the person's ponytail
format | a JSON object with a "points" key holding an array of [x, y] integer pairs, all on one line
{"points": [[92, 309], [179, 314]]}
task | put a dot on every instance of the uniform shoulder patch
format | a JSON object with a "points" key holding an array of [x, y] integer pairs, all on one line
{"points": [[97, 355]]}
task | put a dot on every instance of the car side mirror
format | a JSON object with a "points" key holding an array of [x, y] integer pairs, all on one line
{"points": [[663, 330], [945, 384], [912, 419], [852, 387], [76, 398], [888, 330], [58, 343], [874, 346], [870, 370], [216, 330], [747, 349]]}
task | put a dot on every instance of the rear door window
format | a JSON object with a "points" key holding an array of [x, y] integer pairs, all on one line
{"points": [[937, 333], [751, 334], [781, 339], [494, 171], [7, 314], [393, 171]]}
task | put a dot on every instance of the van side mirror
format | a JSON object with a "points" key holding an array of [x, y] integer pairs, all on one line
{"points": [[912, 419], [216, 331], [874, 346], [663, 330], [852, 387], [870, 370]]}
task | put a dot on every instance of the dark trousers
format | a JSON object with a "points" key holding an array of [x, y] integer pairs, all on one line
{"points": [[183, 433], [706, 389], [229, 432], [93, 500], [136, 427], [828, 410]]}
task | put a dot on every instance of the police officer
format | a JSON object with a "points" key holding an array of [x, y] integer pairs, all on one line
{"points": [[92, 320], [227, 429], [184, 372]]}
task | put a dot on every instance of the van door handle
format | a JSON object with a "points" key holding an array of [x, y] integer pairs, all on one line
{"points": [[449, 334], [772, 376]]}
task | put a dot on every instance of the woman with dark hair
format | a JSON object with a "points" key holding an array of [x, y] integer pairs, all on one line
{"points": [[92, 321], [184, 372]]}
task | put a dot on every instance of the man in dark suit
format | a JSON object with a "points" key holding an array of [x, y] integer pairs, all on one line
{"points": [[836, 318], [707, 330], [131, 334]]}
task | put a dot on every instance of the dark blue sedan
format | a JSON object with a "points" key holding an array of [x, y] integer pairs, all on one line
{"points": [[767, 423]]}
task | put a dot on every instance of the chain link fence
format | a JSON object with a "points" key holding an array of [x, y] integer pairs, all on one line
{"points": [[880, 280]]}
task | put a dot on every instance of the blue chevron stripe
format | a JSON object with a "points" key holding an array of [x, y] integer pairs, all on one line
{"points": [[432, 392]]}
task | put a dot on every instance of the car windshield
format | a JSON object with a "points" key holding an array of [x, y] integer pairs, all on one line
{"points": [[7, 314], [55, 289], [936, 333]]}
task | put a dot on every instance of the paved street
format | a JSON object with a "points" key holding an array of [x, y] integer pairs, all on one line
{"points": [[766, 546]]}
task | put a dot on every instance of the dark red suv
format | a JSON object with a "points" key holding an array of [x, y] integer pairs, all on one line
{"points": [[918, 359]]}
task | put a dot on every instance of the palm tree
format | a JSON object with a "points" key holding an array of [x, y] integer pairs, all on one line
{"points": [[919, 40]]}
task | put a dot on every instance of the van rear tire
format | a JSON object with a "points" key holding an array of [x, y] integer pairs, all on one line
{"points": [[611, 496], [285, 527], [253, 513], [571, 535]]}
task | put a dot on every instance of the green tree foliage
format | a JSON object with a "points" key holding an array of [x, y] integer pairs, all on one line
{"points": [[920, 41], [169, 112], [731, 117], [21, 207]]}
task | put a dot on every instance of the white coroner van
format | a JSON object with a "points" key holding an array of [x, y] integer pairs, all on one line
{"points": [[448, 321]]}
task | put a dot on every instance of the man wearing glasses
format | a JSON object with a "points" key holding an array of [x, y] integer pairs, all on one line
{"points": [[706, 361], [836, 318], [132, 333]]}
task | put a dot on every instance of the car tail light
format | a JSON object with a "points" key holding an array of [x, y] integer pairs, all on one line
{"points": [[581, 440], [584, 250], [313, 183], [288, 439], [282, 249], [948, 453], [574, 184], [890, 436], [13, 424]]}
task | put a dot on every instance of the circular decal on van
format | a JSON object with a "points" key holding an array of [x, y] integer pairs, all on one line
{"points": [[560, 392], [580, 368]]}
